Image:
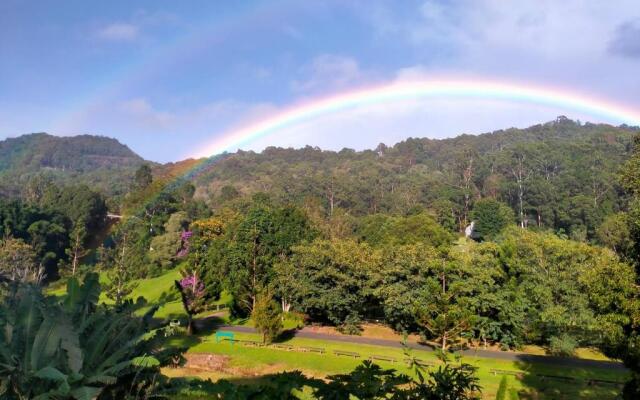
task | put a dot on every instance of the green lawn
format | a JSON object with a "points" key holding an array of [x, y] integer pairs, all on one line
{"points": [[254, 360], [158, 291]]}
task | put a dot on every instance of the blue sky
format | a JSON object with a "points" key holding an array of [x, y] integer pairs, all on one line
{"points": [[166, 77]]}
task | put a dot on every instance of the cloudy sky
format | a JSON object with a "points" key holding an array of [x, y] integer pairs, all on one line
{"points": [[168, 77]]}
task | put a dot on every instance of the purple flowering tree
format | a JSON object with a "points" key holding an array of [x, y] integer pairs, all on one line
{"points": [[184, 243], [192, 291]]}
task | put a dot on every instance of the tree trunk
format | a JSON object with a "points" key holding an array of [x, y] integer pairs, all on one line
{"points": [[76, 250], [190, 328]]}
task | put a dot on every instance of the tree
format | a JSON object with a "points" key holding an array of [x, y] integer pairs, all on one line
{"points": [[443, 305], [143, 177], [77, 250], [490, 217], [614, 233], [165, 247], [331, 280], [192, 292], [267, 317], [119, 273], [18, 262], [251, 245]]}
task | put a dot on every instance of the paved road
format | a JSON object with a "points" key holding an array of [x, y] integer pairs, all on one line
{"points": [[497, 355]]}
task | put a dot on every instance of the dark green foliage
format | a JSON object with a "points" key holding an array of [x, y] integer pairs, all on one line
{"points": [[251, 245], [367, 381], [70, 347], [46, 231], [331, 280], [267, 317], [380, 229], [101, 162], [490, 217], [143, 178], [563, 345], [560, 174]]}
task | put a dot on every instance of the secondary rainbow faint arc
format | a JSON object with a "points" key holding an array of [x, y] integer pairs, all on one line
{"points": [[611, 112]]}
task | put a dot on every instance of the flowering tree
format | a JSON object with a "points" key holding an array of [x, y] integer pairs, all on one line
{"points": [[184, 243], [192, 291]]}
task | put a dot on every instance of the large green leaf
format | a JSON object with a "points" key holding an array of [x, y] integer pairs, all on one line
{"points": [[86, 393], [51, 373]]}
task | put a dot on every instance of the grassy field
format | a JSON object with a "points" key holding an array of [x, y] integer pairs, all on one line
{"points": [[159, 291], [251, 362]]}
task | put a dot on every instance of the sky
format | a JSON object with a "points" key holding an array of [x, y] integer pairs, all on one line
{"points": [[169, 77]]}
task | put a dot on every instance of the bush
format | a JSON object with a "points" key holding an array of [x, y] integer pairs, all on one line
{"points": [[563, 345], [293, 319], [351, 325]]}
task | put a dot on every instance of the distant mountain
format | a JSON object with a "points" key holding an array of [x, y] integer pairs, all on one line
{"points": [[101, 162]]}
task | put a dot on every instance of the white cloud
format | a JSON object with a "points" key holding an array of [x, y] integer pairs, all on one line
{"points": [[328, 72], [119, 31]]}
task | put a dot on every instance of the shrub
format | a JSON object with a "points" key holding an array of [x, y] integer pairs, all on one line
{"points": [[351, 325], [564, 345]]}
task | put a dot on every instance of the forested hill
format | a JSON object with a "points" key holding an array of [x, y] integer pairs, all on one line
{"points": [[559, 175], [102, 162]]}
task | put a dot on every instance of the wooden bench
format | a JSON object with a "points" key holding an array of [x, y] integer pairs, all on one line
{"points": [[282, 347], [557, 378], [346, 353], [421, 363], [307, 349], [591, 382], [382, 358], [506, 372], [251, 343]]}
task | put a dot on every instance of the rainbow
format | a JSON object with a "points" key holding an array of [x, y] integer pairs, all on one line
{"points": [[398, 91]]}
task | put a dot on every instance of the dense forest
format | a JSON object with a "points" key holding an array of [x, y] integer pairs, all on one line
{"points": [[559, 175], [99, 161], [339, 238]]}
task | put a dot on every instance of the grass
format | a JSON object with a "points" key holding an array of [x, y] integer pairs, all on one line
{"points": [[262, 360], [159, 291]]}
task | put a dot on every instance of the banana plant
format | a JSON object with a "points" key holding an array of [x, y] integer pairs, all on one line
{"points": [[69, 348]]}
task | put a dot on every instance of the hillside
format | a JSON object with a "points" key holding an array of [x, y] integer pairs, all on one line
{"points": [[102, 162], [551, 174]]}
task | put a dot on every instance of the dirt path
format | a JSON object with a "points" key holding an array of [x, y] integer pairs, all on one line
{"points": [[496, 355]]}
